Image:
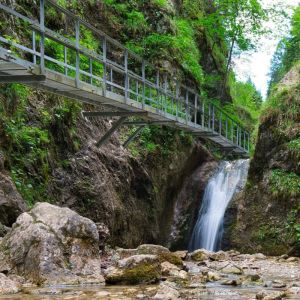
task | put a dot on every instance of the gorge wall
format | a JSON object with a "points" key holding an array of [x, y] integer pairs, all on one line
{"points": [[268, 210]]}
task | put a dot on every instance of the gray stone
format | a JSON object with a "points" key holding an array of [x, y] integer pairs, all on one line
{"points": [[8, 286], [52, 244]]}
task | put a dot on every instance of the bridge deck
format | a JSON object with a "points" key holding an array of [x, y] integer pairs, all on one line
{"points": [[99, 76]]}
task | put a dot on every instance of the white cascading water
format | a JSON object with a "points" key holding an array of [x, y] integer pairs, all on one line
{"points": [[208, 231]]}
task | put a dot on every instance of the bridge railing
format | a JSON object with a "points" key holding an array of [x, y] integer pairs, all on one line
{"points": [[80, 51]]}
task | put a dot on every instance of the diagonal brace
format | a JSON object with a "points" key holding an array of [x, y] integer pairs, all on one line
{"points": [[111, 131], [133, 136]]}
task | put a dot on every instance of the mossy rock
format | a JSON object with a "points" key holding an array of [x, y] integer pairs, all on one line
{"points": [[171, 258], [199, 255], [144, 273]]}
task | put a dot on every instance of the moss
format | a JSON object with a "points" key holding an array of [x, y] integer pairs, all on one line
{"points": [[171, 258], [143, 273]]}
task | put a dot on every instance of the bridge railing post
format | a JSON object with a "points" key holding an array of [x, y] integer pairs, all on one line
{"points": [[42, 41], [186, 105], [77, 36], [213, 118], [177, 97], [203, 113], [34, 46], [196, 108], [104, 53], [144, 82]]}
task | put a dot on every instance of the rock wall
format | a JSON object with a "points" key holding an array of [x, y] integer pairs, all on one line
{"points": [[268, 214]]}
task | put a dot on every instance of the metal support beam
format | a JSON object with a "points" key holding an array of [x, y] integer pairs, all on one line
{"points": [[147, 122], [93, 114], [22, 78], [133, 136], [111, 131]]}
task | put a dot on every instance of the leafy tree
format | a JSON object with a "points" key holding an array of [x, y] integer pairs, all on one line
{"points": [[238, 22], [287, 53]]}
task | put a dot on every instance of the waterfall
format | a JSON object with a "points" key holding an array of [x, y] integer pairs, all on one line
{"points": [[230, 178]]}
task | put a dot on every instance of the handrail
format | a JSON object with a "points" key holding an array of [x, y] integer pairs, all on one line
{"points": [[183, 101]]}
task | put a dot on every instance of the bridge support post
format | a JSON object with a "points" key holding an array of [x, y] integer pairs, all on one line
{"points": [[133, 136], [42, 41], [111, 131]]}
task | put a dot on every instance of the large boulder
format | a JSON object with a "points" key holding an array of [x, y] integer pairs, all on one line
{"points": [[52, 244]]}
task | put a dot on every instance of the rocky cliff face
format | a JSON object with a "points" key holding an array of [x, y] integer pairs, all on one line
{"points": [[268, 215]]}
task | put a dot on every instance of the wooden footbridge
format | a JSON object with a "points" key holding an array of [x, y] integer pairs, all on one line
{"points": [[78, 61]]}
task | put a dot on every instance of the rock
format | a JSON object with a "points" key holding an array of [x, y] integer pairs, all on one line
{"points": [[260, 295], [218, 256], [231, 269], [200, 255], [292, 259], [136, 260], [212, 276], [136, 269], [274, 296], [51, 244], [166, 292], [8, 286], [253, 277], [233, 282], [152, 249], [124, 253], [259, 256], [293, 291], [169, 269], [181, 254], [284, 256], [171, 258], [11, 202], [267, 295], [278, 284]]}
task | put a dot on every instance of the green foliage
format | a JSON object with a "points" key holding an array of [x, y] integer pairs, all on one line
{"points": [[282, 182], [287, 53], [27, 141], [292, 225], [186, 47]]}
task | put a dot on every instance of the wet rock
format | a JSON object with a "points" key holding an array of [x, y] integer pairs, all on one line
{"points": [[233, 282], [152, 249], [167, 291], [135, 270], [212, 276], [50, 244], [8, 286], [11, 202], [200, 255]]}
